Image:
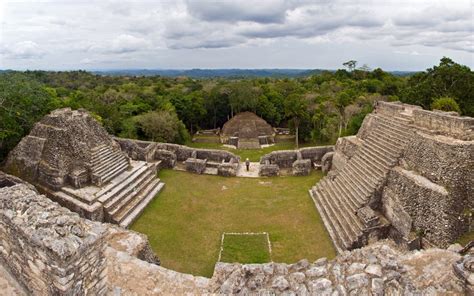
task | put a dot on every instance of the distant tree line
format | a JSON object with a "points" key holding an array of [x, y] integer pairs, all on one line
{"points": [[318, 108]]}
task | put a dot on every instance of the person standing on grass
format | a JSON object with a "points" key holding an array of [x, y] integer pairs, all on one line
{"points": [[247, 164]]}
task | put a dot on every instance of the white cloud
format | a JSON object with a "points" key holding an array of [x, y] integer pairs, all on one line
{"points": [[23, 50], [157, 33]]}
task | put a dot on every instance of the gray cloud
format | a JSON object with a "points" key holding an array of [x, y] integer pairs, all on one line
{"points": [[157, 33]]}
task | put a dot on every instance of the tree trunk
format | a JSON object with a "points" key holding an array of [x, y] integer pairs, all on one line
{"points": [[296, 139]]}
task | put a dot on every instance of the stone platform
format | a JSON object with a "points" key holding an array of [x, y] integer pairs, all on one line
{"points": [[119, 201]]}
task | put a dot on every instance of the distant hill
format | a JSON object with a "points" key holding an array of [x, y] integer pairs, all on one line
{"points": [[224, 73], [211, 73]]}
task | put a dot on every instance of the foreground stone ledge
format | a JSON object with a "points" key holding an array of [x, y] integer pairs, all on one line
{"points": [[50, 249]]}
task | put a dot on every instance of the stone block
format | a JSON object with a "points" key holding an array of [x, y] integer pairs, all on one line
{"points": [[195, 165], [269, 170], [302, 167], [168, 158]]}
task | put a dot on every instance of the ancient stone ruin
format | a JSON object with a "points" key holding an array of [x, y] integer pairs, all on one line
{"points": [[407, 175], [247, 131], [293, 162], [209, 161], [69, 156], [45, 249], [404, 182]]}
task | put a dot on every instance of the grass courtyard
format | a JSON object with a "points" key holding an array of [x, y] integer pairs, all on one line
{"points": [[185, 222]]}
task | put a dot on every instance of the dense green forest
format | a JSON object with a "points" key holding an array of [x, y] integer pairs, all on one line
{"points": [[322, 107]]}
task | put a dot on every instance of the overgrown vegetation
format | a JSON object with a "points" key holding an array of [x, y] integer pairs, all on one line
{"points": [[320, 107], [185, 222]]}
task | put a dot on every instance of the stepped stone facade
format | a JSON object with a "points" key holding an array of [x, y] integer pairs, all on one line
{"points": [[49, 250], [408, 175], [247, 131], [70, 156]]}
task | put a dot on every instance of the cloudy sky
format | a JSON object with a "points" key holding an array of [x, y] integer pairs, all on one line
{"points": [[181, 34]]}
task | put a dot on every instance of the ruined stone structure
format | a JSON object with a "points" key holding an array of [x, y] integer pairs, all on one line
{"points": [[296, 162], [247, 131], [70, 156], [210, 161], [408, 175], [49, 250]]}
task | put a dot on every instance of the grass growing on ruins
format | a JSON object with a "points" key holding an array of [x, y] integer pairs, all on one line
{"points": [[185, 222], [252, 154], [466, 238], [245, 248]]}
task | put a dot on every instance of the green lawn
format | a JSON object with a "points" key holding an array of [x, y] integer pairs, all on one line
{"points": [[185, 222], [252, 154], [245, 248]]}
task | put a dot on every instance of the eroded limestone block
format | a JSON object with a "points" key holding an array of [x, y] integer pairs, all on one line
{"points": [[269, 170], [195, 165], [302, 167]]}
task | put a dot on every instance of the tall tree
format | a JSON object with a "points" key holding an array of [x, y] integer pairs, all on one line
{"points": [[296, 108], [350, 65]]}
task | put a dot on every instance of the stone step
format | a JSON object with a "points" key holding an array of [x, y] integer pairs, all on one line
{"points": [[127, 199], [389, 136], [98, 149], [133, 210], [355, 222], [103, 164], [348, 215], [352, 199], [333, 229], [398, 122], [125, 187], [373, 162], [97, 159], [373, 175], [72, 202], [101, 153], [366, 179], [348, 183], [333, 208], [72, 193], [400, 130], [383, 147], [354, 177], [386, 159], [383, 142], [118, 169], [121, 180]]}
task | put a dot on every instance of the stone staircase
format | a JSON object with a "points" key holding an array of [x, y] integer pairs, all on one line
{"points": [[106, 163], [122, 199], [126, 198], [339, 199]]}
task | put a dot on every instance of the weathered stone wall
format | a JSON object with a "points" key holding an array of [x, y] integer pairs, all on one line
{"points": [[445, 123], [379, 269], [286, 158], [137, 150], [157, 152], [49, 249], [195, 165], [432, 192], [412, 203]]}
